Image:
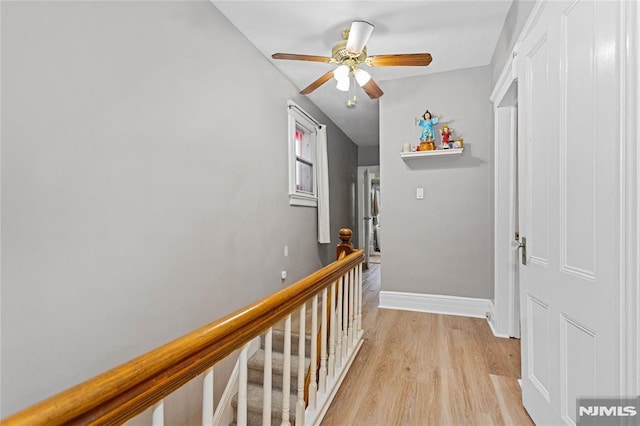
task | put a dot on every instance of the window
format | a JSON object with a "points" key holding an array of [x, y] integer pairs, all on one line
{"points": [[303, 132], [304, 161]]}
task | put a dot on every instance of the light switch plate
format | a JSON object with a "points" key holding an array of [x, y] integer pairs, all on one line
{"points": [[419, 193]]}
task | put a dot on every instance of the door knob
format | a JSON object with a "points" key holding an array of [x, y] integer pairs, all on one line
{"points": [[521, 244]]}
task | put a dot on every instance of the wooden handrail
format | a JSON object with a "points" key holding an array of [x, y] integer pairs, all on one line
{"points": [[123, 392]]}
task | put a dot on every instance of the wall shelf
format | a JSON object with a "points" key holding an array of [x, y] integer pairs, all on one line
{"points": [[434, 153]]}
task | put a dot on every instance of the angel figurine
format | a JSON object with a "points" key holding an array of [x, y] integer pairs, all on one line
{"points": [[446, 132], [427, 122]]}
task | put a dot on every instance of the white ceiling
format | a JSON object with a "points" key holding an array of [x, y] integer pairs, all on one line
{"points": [[458, 34]]}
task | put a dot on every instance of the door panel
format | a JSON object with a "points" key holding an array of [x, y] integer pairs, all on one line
{"points": [[539, 151], [538, 348], [578, 354], [578, 149], [569, 128]]}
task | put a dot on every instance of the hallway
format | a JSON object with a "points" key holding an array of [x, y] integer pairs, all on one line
{"points": [[427, 369]]}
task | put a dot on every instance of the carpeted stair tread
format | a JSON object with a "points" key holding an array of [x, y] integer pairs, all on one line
{"points": [[254, 404], [256, 369], [277, 343], [277, 362]]}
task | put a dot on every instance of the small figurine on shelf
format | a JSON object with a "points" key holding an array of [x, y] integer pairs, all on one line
{"points": [[446, 132], [426, 122]]}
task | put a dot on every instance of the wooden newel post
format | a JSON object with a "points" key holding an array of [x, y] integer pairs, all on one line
{"points": [[345, 246]]}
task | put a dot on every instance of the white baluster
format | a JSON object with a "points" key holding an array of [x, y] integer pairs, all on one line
{"points": [[351, 305], [207, 398], [332, 333], [359, 298], [313, 385], [339, 324], [266, 382], [323, 342], [242, 388], [157, 418], [354, 335], [345, 316], [301, 370], [286, 373]]}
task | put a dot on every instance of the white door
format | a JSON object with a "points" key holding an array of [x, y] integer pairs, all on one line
{"points": [[569, 175]]}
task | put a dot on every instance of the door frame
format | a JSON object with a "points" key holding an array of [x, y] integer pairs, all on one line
{"points": [[360, 203], [629, 195], [506, 311], [630, 202]]}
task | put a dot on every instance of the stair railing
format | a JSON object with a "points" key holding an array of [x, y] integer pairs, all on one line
{"points": [[325, 362], [123, 392]]}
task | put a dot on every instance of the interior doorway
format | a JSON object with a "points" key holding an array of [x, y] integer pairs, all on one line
{"points": [[506, 315], [369, 214]]}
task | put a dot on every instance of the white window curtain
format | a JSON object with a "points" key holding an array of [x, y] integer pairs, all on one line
{"points": [[322, 164]]}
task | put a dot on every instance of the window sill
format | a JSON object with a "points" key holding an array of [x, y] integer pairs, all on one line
{"points": [[303, 200]]}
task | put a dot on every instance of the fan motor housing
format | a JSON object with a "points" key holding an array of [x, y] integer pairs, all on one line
{"points": [[341, 55]]}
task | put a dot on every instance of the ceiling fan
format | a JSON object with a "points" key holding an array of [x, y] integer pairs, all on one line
{"points": [[349, 54]]}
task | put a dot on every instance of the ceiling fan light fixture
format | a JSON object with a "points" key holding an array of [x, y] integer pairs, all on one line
{"points": [[362, 77], [341, 73], [343, 84], [358, 36]]}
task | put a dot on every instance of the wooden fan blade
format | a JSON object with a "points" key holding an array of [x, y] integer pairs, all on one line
{"points": [[406, 59], [294, 57], [319, 82], [372, 89]]}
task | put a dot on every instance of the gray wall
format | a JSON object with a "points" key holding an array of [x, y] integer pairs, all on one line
{"points": [[441, 244], [144, 184], [369, 155], [515, 20]]}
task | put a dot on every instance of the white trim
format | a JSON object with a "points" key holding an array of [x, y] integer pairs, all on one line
{"points": [[504, 81], [636, 271], [322, 178], [302, 200], [224, 411], [314, 417], [435, 303], [297, 116], [223, 415], [532, 20], [630, 200], [491, 319], [507, 313], [509, 70], [505, 263]]}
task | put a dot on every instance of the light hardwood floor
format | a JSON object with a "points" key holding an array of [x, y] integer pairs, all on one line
{"points": [[428, 369]]}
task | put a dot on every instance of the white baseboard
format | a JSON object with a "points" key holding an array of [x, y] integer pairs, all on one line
{"points": [[435, 304], [491, 320], [314, 417], [493, 330]]}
